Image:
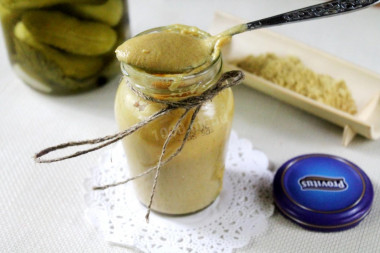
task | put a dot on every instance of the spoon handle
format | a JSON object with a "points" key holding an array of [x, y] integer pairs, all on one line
{"points": [[330, 8]]}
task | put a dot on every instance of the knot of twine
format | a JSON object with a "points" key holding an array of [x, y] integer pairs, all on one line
{"points": [[227, 80]]}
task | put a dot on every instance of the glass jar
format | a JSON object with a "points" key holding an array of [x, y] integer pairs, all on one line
{"points": [[64, 46], [193, 179]]}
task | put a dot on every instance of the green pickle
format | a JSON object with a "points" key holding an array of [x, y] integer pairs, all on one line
{"points": [[64, 46], [74, 66], [70, 34], [9, 19], [100, 12], [26, 4]]}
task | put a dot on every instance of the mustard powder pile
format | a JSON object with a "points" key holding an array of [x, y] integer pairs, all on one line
{"points": [[291, 73]]}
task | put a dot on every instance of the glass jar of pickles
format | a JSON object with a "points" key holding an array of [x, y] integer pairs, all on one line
{"points": [[193, 179], [64, 46]]}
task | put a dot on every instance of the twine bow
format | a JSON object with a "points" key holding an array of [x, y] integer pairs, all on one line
{"points": [[227, 80]]}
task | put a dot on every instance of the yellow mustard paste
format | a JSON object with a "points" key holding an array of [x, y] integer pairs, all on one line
{"points": [[164, 52], [175, 49]]}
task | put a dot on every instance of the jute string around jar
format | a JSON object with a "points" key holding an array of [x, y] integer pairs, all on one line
{"points": [[227, 80]]}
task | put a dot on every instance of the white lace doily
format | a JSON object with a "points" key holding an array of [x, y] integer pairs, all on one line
{"points": [[239, 213]]}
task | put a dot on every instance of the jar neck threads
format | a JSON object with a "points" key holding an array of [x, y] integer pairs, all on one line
{"points": [[173, 86]]}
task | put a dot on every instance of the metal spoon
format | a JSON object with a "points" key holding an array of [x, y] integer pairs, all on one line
{"points": [[326, 9]]}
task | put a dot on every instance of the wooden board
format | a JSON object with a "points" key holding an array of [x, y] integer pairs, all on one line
{"points": [[363, 84]]}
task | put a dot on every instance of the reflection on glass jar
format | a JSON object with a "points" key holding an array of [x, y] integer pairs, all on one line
{"points": [[194, 178], [64, 46]]}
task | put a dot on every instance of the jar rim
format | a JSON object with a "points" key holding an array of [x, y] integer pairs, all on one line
{"points": [[130, 70]]}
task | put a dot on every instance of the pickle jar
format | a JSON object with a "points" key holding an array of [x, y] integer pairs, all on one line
{"points": [[64, 46], [193, 179]]}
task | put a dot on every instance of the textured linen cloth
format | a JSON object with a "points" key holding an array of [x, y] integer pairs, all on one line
{"points": [[42, 206]]}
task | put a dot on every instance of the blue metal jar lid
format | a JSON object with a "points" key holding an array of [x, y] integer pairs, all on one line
{"points": [[322, 192]]}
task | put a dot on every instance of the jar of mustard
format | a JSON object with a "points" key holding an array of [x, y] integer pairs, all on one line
{"points": [[64, 46], [194, 178]]}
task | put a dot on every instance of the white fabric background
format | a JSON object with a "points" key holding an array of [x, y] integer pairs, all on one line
{"points": [[41, 206]]}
